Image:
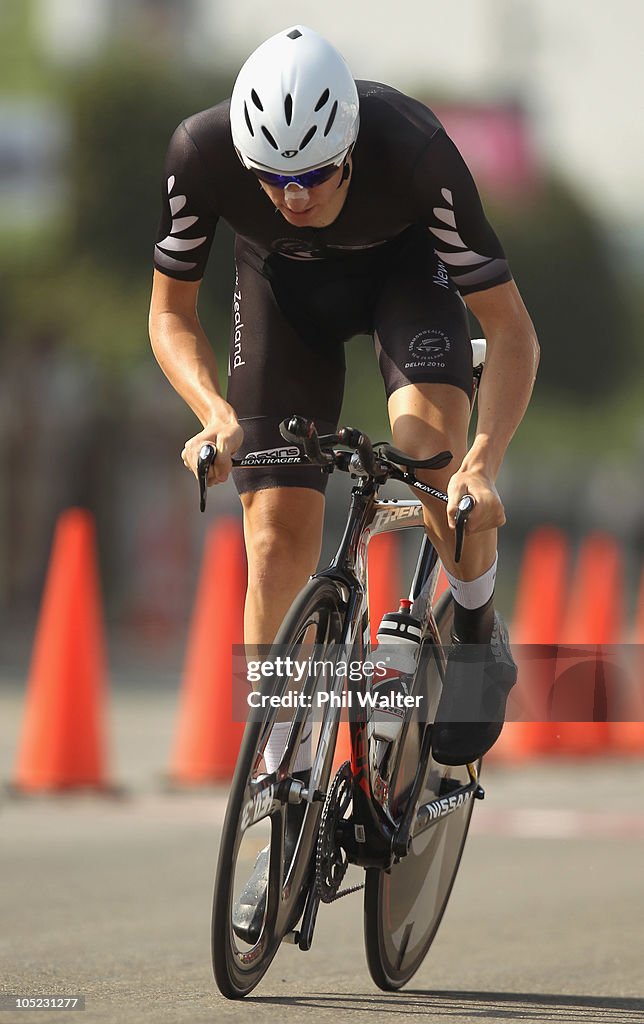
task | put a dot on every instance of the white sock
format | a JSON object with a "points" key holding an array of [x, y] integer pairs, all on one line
{"points": [[276, 743], [473, 593]]}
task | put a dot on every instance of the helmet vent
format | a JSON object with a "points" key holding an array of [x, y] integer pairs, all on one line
{"points": [[322, 100], [270, 138], [329, 124], [309, 135], [295, 34], [256, 100], [288, 108], [248, 121]]}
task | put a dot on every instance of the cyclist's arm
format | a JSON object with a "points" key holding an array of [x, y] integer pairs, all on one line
{"points": [[181, 347], [511, 362], [188, 361], [506, 385], [447, 200]]}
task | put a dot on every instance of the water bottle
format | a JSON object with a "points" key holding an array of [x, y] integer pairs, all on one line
{"points": [[398, 637]]}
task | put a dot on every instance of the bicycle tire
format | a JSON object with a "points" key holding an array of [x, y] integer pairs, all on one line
{"points": [[238, 971], [421, 883]]}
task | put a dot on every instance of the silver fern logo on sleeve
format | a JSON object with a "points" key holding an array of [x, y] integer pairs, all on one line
{"points": [[171, 243], [465, 266]]}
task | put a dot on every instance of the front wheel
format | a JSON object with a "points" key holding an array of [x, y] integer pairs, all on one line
{"points": [[403, 907], [255, 824]]}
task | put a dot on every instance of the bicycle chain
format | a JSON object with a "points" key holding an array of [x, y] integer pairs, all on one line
{"points": [[330, 864]]}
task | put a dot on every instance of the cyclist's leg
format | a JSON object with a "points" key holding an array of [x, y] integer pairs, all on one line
{"points": [[274, 373], [426, 361], [425, 419], [283, 533]]}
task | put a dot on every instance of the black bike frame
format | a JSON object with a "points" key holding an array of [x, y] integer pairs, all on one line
{"points": [[372, 838]]}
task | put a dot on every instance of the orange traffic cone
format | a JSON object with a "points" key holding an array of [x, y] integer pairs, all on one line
{"points": [[595, 611], [537, 619], [627, 737], [207, 739], [541, 592], [383, 579], [62, 745], [594, 617]]}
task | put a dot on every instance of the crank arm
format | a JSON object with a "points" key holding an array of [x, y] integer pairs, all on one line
{"points": [[305, 935]]}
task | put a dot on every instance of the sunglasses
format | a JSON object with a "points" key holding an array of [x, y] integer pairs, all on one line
{"points": [[308, 179]]}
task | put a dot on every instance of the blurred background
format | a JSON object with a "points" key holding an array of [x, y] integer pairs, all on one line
{"points": [[545, 102]]}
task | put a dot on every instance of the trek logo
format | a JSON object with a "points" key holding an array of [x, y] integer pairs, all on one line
{"points": [[237, 321], [288, 153], [270, 455], [256, 808], [386, 515]]}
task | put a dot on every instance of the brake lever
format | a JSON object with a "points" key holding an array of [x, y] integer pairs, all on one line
{"points": [[465, 507], [207, 456]]}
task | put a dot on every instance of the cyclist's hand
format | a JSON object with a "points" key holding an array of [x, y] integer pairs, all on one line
{"points": [[488, 512], [227, 436]]}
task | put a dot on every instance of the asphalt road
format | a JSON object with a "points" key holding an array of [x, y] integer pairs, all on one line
{"points": [[110, 899]]}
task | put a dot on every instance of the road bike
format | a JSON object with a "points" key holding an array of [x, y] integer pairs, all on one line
{"points": [[391, 809]]}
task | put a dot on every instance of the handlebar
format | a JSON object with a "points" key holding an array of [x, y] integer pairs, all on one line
{"points": [[303, 434], [380, 463]]}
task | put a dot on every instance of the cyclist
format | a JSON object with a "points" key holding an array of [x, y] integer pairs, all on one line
{"points": [[353, 213]]}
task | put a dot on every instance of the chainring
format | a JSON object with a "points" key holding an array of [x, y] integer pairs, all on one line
{"points": [[330, 860]]}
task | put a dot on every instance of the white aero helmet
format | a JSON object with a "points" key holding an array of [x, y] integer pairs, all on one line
{"points": [[294, 105]]}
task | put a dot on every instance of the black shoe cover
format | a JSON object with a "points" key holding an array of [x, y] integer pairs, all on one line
{"points": [[471, 711]]}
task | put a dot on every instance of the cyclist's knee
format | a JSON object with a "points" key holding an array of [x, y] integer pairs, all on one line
{"points": [[276, 547], [423, 444], [427, 418], [422, 441], [283, 533]]}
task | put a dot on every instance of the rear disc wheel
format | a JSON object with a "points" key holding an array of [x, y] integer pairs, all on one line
{"points": [[403, 908]]}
